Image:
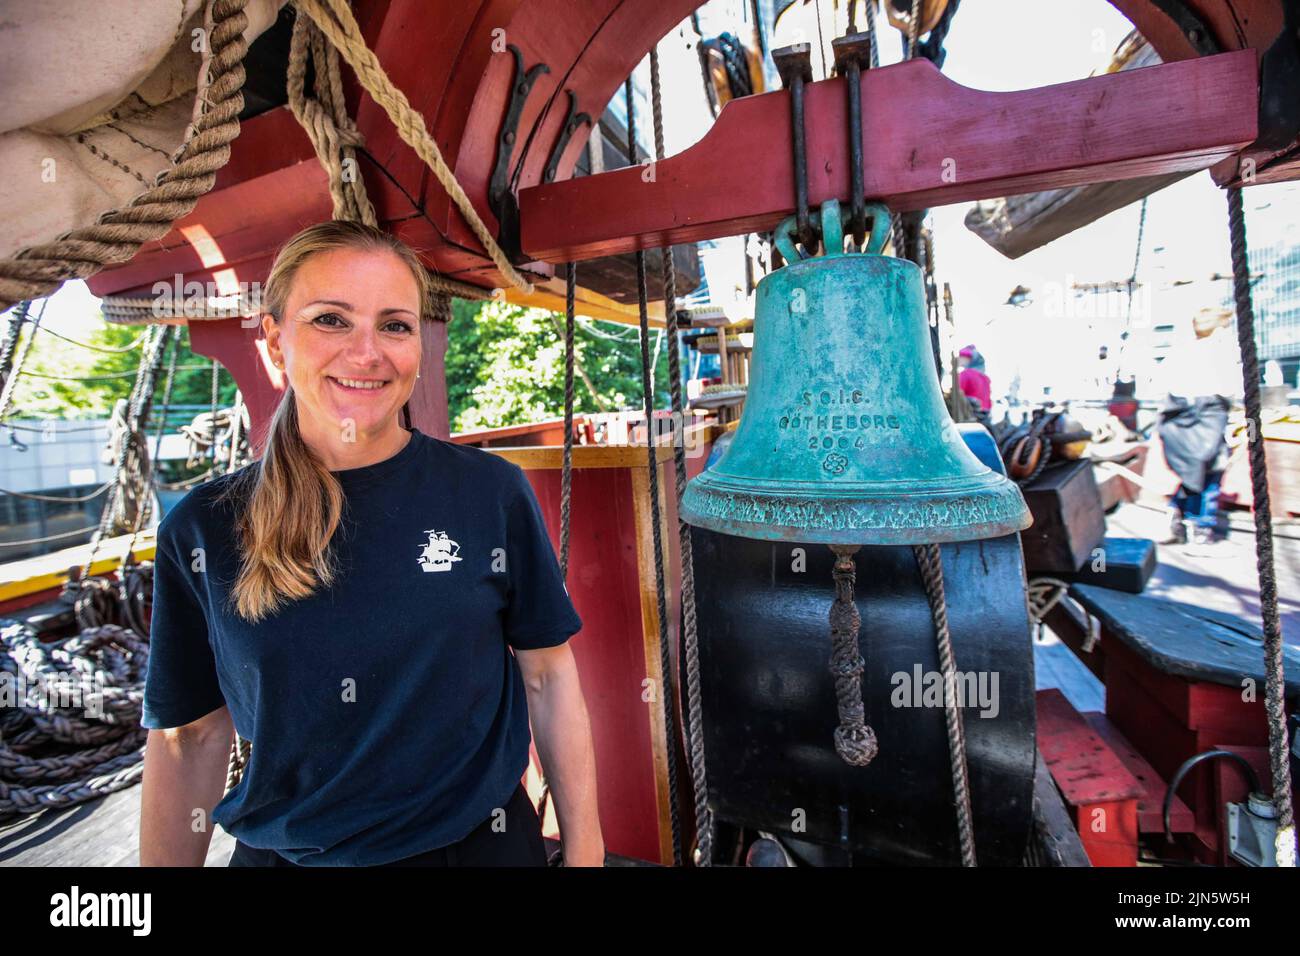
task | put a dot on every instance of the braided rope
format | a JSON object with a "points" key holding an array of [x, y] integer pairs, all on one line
{"points": [[332, 132], [930, 563], [690, 636], [871, 31], [855, 741], [334, 19], [104, 665], [38, 270], [652, 456], [1274, 688]]}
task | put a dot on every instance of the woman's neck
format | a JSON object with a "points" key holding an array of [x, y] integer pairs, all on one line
{"points": [[358, 450]]}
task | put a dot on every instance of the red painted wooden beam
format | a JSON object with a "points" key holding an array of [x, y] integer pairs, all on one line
{"points": [[927, 141]]}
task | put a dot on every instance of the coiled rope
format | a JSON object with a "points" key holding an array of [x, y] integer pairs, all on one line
{"points": [[73, 733]]}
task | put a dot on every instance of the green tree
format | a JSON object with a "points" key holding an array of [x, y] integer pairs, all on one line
{"points": [[62, 379], [505, 365]]}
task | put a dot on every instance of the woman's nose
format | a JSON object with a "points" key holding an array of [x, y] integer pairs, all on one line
{"points": [[364, 347]]}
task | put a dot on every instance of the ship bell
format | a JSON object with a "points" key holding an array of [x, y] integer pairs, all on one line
{"points": [[845, 437]]}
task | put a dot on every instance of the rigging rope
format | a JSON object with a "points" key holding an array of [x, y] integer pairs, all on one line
{"points": [[652, 455], [690, 638], [1274, 686], [335, 20], [325, 118], [927, 557], [16, 369]]}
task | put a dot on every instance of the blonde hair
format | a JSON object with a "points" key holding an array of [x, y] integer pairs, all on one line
{"points": [[293, 504]]}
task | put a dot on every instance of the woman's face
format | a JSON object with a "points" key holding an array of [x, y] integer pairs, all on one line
{"points": [[349, 341]]}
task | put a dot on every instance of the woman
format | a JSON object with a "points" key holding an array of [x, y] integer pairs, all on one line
{"points": [[346, 604]]}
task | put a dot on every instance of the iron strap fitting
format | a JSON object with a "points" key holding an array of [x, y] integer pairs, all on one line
{"points": [[794, 64], [852, 56], [501, 197]]}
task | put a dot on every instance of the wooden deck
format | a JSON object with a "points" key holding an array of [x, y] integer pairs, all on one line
{"points": [[103, 832]]}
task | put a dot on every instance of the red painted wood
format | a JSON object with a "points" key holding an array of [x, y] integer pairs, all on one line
{"points": [[1150, 804], [1085, 768], [605, 589], [454, 76], [235, 347], [1101, 791], [1234, 26], [247, 221], [927, 142]]}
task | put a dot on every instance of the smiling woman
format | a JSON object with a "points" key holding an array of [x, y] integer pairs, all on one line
{"points": [[379, 612]]}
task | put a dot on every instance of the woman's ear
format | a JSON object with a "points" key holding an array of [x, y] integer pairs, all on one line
{"points": [[271, 332]]}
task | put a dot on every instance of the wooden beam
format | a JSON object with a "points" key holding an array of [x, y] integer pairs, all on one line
{"points": [[927, 141]]}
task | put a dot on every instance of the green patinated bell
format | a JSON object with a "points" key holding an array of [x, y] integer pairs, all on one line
{"points": [[845, 437]]}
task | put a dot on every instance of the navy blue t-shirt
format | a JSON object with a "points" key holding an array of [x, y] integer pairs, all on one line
{"points": [[386, 713]]}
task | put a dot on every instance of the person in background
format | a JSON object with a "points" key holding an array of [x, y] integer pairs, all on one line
{"points": [[1201, 377], [973, 382]]}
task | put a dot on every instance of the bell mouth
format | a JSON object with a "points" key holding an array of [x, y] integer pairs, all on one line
{"points": [[926, 511]]}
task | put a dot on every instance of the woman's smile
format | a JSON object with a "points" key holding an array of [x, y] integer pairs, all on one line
{"points": [[359, 384]]}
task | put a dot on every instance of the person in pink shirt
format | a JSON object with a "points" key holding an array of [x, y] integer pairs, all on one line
{"points": [[972, 380]]}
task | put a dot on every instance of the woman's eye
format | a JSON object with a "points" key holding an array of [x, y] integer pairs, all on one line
{"points": [[330, 319], [397, 325]]}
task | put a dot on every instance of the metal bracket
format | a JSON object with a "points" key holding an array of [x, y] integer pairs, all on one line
{"points": [[501, 199], [571, 123], [794, 63], [852, 56], [1192, 26]]}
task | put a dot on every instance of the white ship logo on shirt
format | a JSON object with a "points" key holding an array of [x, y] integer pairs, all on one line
{"points": [[439, 553]]}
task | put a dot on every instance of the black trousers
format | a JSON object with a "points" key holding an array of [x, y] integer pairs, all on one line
{"points": [[519, 843]]}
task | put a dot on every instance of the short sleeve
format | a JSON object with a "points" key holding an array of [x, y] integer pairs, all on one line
{"points": [[181, 681], [538, 610]]}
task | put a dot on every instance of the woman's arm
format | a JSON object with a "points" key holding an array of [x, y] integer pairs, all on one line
{"points": [[184, 778], [562, 732]]}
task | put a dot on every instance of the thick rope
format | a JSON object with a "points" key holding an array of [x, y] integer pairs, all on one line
{"points": [[652, 458], [334, 19], [930, 563], [325, 118], [855, 742], [55, 685], [690, 636], [1284, 848], [38, 270]]}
